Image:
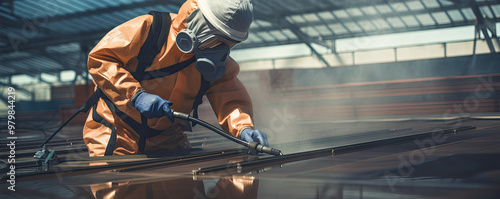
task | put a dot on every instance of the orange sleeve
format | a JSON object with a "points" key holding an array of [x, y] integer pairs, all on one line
{"points": [[230, 100], [111, 61]]}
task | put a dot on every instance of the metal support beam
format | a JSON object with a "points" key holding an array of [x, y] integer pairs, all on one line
{"points": [[488, 39], [18, 89], [334, 51], [85, 48], [491, 26], [9, 4], [40, 79], [25, 24], [321, 6], [54, 57], [483, 24], [54, 70], [77, 66], [112, 9], [76, 77], [447, 14], [476, 36], [303, 37], [56, 40]]}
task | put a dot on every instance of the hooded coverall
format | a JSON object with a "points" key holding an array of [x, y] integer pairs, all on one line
{"points": [[111, 64]]}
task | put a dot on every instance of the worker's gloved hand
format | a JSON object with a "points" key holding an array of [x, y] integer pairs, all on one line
{"points": [[152, 106], [251, 135]]}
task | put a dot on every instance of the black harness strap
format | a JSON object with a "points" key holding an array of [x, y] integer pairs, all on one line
{"points": [[141, 129], [92, 100], [112, 140], [168, 70], [157, 36], [205, 85]]}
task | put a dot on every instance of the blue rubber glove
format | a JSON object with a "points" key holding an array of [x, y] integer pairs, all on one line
{"points": [[152, 106], [250, 135]]}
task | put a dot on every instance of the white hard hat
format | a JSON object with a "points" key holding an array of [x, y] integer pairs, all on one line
{"points": [[231, 17]]}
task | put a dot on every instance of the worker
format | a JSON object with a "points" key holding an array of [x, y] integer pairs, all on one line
{"points": [[136, 116]]}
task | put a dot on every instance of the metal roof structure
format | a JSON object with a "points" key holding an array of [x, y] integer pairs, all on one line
{"points": [[50, 36]]}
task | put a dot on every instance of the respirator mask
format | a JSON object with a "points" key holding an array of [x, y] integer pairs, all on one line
{"points": [[212, 29], [211, 52]]}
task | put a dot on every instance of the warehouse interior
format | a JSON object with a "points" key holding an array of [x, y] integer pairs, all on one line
{"points": [[322, 75]]}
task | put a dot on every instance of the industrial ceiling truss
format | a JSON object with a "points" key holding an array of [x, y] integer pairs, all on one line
{"points": [[50, 36]]}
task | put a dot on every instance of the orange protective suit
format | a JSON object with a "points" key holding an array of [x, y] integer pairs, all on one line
{"points": [[225, 187], [111, 64]]}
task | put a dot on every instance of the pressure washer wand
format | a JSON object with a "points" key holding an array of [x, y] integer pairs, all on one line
{"points": [[250, 145]]}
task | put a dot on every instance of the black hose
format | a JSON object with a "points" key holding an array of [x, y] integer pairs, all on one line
{"points": [[252, 145], [57, 131], [84, 108]]}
